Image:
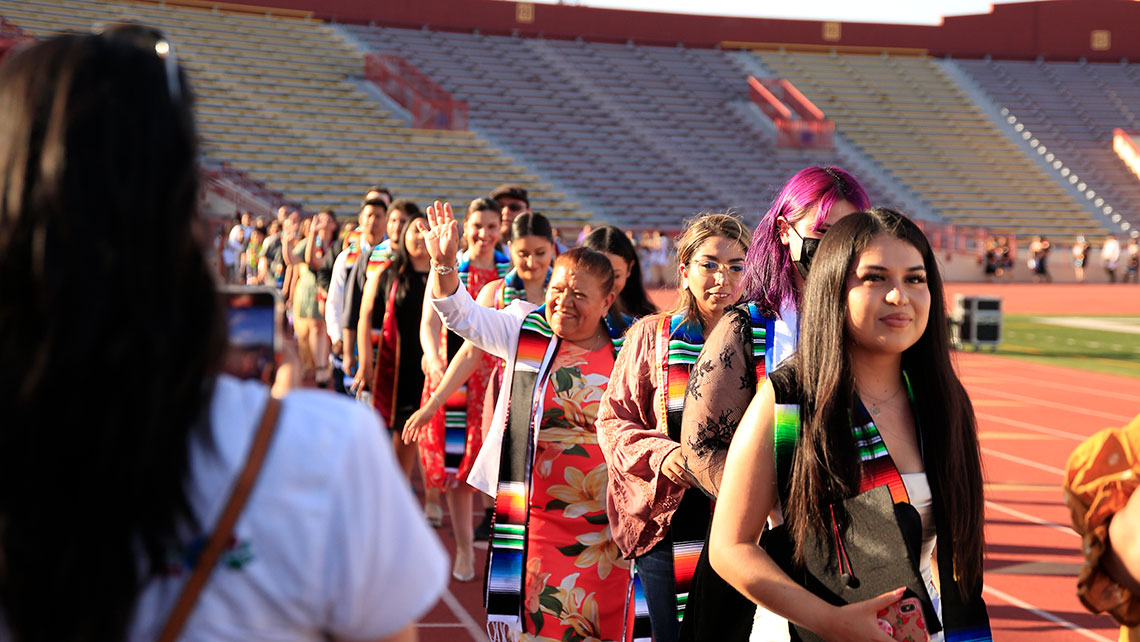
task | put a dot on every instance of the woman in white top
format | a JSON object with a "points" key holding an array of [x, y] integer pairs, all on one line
{"points": [[111, 481], [870, 398]]}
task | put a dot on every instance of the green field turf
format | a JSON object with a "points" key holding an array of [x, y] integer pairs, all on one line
{"points": [[1033, 338]]}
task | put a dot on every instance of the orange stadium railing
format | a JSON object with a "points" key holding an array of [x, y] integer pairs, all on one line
{"points": [[1125, 147], [430, 106], [247, 194], [781, 101]]}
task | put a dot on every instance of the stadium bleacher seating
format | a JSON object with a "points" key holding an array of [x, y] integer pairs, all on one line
{"points": [[912, 118], [279, 98], [1072, 108], [644, 134]]}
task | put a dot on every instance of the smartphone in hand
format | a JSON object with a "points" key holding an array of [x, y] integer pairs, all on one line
{"points": [[904, 621], [255, 317]]}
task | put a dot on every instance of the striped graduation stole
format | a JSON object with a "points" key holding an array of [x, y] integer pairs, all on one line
{"points": [[684, 339], [514, 289], [352, 246], [616, 325], [507, 549], [502, 266]]}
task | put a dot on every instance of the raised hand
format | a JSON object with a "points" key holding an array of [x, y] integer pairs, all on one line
{"points": [[441, 234]]}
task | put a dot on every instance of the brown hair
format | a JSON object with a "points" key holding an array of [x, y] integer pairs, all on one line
{"points": [[592, 262], [699, 229]]}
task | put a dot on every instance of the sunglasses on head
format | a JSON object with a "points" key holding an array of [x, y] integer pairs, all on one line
{"points": [[150, 39]]}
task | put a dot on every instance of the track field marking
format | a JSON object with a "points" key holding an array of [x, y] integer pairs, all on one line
{"points": [[1066, 386], [464, 617], [1126, 325], [1034, 427], [1013, 347], [1024, 462], [1056, 569], [1024, 486], [1021, 604], [1004, 403], [1061, 406], [1012, 435], [1032, 519]]}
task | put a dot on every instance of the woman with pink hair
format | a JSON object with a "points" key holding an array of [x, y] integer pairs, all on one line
{"points": [[750, 340]]}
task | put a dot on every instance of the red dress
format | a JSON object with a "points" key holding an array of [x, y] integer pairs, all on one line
{"points": [[433, 441], [575, 575]]}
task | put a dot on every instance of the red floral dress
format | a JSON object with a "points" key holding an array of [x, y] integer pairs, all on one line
{"points": [[575, 575], [432, 440]]}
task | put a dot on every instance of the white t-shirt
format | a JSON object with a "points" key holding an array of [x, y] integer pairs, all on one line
{"points": [[331, 539]]}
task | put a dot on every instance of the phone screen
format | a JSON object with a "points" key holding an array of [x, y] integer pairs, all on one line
{"points": [[253, 316]]}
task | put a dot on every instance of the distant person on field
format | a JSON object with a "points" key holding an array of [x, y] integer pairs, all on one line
{"points": [[1039, 249], [1080, 258], [107, 497], [1110, 257], [1133, 261]]}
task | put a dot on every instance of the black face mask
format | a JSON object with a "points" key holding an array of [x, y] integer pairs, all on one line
{"points": [[808, 246]]}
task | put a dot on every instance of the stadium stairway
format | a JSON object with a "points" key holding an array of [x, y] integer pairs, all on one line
{"points": [[1072, 109], [911, 118], [278, 98], [645, 135]]}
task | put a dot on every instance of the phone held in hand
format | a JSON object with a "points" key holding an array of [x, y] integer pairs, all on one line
{"points": [[254, 316], [903, 621]]}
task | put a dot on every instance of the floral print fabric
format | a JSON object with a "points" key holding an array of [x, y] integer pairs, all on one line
{"points": [[575, 575]]}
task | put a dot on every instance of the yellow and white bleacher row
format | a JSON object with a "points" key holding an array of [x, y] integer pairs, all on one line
{"points": [[277, 97], [909, 116]]}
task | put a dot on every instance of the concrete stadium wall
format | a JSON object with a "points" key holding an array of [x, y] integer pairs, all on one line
{"points": [[1055, 30]]}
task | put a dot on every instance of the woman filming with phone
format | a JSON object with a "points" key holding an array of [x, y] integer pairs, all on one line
{"points": [[868, 412], [167, 500]]}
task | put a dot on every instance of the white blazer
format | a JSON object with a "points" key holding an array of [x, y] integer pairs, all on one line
{"points": [[496, 332]]}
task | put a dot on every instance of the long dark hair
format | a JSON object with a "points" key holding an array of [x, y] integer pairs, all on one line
{"points": [[110, 346], [633, 299], [401, 269], [826, 466]]}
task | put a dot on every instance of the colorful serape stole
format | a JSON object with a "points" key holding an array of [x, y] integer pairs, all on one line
{"points": [[761, 331], [640, 629], [352, 246], [502, 266], [961, 621], [507, 549], [514, 289], [689, 526], [616, 325], [454, 430], [380, 257]]}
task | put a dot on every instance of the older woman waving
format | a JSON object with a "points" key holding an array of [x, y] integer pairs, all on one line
{"points": [[552, 558]]}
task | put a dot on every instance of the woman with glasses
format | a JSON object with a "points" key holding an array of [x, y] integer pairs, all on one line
{"points": [[750, 341], [656, 518]]}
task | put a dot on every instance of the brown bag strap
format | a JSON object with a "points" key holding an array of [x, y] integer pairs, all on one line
{"points": [[221, 535]]}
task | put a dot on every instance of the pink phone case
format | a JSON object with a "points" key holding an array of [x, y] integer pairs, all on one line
{"points": [[906, 620]]}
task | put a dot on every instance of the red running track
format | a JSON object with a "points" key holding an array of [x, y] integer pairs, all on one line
{"points": [[1030, 417]]}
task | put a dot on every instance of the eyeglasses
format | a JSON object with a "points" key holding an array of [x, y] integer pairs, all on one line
{"points": [[516, 207], [711, 268], [151, 39]]}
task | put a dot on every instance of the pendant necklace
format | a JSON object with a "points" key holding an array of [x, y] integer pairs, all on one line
{"points": [[874, 409]]}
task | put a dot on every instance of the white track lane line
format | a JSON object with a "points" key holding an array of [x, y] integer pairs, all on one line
{"points": [[1034, 427], [1021, 604], [1097, 392], [1111, 416], [1025, 462], [468, 622], [1032, 519]]}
